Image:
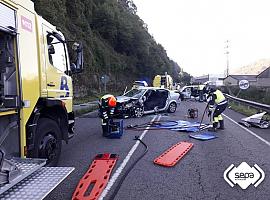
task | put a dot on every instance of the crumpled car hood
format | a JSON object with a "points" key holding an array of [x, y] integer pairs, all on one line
{"points": [[122, 99]]}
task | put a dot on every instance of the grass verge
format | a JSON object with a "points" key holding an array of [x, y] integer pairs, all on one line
{"points": [[246, 110], [88, 109], [86, 99], [93, 97]]}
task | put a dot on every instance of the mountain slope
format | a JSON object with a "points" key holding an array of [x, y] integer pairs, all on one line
{"points": [[252, 69], [116, 42]]}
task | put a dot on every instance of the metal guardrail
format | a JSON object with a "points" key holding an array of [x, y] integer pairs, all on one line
{"points": [[85, 105], [253, 104]]}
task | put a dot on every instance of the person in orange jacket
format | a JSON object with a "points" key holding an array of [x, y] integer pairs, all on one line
{"points": [[107, 106]]}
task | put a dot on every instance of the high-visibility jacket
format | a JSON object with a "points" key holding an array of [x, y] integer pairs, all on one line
{"points": [[217, 98]]}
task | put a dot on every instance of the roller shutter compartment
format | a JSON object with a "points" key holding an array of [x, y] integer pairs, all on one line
{"points": [[7, 17]]}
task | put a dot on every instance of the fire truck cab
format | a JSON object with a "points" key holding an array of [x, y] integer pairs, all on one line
{"points": [[35, 83]]}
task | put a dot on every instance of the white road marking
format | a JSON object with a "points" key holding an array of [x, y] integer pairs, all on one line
{"points": [[249, 131], [124, 163]]}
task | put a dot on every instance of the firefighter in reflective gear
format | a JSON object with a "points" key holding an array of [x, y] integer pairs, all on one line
{"points": [[107, 106], [218, 103]]}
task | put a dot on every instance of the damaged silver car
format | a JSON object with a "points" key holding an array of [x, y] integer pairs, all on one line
{"points": [[146, 100]]}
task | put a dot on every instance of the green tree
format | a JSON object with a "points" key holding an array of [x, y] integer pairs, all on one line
{"points": [[116, 42]]}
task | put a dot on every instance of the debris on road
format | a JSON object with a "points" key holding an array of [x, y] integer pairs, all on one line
{"points": [[256, 121]]}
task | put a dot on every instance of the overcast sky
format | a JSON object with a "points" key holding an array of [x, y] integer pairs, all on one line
{"points": [[194, 31]]}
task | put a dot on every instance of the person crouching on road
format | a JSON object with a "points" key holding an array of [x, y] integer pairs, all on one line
{"points": [[218, 100], [107, 106]]}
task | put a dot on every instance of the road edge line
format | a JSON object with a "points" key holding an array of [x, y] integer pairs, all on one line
{"points": [[124, 163], [249, 131]]}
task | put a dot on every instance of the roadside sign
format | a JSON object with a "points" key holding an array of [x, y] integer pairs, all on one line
{"points": [[244, 84], [105, 79]]}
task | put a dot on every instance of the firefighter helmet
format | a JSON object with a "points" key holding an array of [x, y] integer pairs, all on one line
{"points": [[211, 88], [112, 101], [108, 100]]}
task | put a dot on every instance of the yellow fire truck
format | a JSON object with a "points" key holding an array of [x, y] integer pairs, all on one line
{"points": [[163, 81], [35, 84]]}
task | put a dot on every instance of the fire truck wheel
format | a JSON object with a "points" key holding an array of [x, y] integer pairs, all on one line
{"points": [[48, 141]]}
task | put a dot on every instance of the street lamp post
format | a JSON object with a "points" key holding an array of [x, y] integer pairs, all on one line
{"points": [[227, 56]]}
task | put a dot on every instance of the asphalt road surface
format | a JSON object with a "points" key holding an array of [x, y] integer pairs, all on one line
{"points": [[199, 175]]}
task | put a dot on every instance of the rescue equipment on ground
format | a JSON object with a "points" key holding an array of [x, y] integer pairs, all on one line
{"points": [[192, 113], [179, 125], [96, 177], [189, 129], [170, 157], [256, 121], [204, 136], [113, 130]]}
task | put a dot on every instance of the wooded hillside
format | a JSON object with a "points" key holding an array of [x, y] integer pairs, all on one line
{"points": [[116, 42]]}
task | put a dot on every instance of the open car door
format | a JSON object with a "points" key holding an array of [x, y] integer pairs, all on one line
{"points": [[156, 99]]}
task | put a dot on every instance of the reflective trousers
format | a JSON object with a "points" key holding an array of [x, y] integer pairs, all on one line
{"points": [[217, 113]]}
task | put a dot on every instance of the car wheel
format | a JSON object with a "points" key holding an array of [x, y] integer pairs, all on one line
{"points": [[48, 141], [172, 107], [138, 112]]}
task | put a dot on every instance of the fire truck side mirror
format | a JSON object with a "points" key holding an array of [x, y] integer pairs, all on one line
{"points": [[78, 66]]}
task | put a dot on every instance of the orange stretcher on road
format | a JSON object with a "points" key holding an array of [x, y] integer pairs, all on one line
{"points": [[170, 157], [96, 177]]}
